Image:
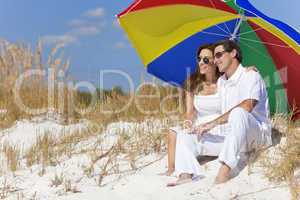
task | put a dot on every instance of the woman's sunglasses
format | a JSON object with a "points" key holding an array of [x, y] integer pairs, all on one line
{"points": [[205, 60]]}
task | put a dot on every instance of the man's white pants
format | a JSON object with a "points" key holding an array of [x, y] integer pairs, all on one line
{"points": [[244, 135]]}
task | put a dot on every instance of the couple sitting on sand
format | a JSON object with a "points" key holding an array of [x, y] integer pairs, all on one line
{"points": [[227, 115]]}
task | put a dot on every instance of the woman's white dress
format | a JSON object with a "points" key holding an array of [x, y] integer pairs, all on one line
{"points": [[188, 147]]}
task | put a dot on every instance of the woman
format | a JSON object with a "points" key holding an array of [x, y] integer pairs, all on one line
{"points": [[202, 105]]}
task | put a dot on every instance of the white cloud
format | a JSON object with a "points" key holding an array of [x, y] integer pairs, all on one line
{"points": [[86, 27], [77, 22], [87, 30], [79, 27], [97, 12], [57, 39]]}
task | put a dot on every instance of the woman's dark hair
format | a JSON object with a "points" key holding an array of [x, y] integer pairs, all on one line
{"points": [[229, 45], [194, 83]]}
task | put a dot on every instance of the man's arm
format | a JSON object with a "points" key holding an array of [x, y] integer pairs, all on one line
{"points": [[247, 104]]}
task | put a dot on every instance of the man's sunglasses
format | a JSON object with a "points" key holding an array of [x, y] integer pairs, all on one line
{"points": [[205, 60], [219, 54]]}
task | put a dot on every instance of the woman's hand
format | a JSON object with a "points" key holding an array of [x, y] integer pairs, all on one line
{"points": [[251, 68], [202, 129], [187, 124]]}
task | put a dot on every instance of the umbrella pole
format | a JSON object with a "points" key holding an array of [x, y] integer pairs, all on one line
{"points": [[236, 29]]}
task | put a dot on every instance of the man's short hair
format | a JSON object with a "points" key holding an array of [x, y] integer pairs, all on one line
{"points": [[229, 45]]}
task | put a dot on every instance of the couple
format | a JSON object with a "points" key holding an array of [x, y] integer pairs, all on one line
{"points": [[227, 115]]}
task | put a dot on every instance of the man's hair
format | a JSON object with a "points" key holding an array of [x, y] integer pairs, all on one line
{"points": [[230, 45]]}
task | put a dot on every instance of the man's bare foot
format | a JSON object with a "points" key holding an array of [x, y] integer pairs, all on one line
{"points": [[223, 174], [183, 178]]}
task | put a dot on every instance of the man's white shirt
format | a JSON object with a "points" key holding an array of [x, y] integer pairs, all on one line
{"points": [[243, 85]]}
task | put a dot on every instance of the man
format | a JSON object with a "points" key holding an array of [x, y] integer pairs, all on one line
{"points": [[245, 109]]}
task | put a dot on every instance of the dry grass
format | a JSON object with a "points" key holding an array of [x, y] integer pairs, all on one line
{"points": [[130, 146], [4, 189], [112, 104], [67, 184], [12, 154], [37, 93], [49, 150], [17, 61], [283, 161], [124, 154], [58, 180]]}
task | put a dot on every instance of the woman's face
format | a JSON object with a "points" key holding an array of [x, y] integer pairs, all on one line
{"points": [[206, 55]]}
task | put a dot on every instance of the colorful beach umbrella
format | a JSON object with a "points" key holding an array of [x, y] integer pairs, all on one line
{"points": [[167, 33]]}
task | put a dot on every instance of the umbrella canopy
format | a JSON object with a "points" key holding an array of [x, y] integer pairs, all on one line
{"points": [[167, 33]]}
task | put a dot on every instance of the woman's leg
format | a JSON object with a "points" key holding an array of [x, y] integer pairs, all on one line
{"points": [[186, 163], [185, 155], [188, 148], [171, 152]]}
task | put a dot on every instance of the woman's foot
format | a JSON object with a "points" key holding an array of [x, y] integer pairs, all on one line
{"points": [[183, 178], [167, 173]]}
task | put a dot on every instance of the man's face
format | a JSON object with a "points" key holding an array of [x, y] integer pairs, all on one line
{"points": [[222, 58]]}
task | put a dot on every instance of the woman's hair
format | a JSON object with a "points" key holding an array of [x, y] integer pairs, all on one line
{"points": [[194, 83]]}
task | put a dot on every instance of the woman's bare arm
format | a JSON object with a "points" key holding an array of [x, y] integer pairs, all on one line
{"points": [[190, 110]]}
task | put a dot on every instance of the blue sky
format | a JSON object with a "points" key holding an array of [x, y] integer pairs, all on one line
{"points": [[93, 39]]}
